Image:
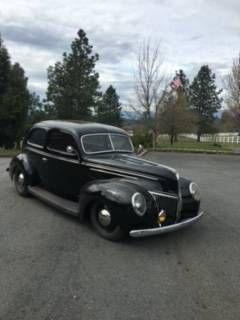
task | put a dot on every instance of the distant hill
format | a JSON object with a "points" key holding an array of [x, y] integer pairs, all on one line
{"points": [[130, 115]]}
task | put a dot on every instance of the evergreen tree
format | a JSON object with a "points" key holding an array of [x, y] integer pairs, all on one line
{"points": [[73, 83], [36, 111], [14, 100], [109, 109], [184, 81], [205, 100], [4, 79], [4, 69], [15, 106]]}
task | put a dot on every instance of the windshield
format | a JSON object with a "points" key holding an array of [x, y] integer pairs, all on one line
{"points": [[97, 143]]}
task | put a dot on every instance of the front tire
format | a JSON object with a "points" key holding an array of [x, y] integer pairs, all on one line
{"points": [[20, 182], [101, 219]]}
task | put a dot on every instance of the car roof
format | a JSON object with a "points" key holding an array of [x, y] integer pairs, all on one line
{"points": [[79, 127]]}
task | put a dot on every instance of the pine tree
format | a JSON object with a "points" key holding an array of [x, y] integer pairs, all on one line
{"points": [[4, 69], [73, 83], [184, 81], [14, 100], [16, 103], [109, 109], [36, 110], [205, 100]]}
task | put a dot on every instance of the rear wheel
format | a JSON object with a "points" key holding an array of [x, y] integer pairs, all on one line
{"points": [[20, 182], [101, 218]]}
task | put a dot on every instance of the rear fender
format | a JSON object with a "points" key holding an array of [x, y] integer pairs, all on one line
{"points": [[21, 160]]}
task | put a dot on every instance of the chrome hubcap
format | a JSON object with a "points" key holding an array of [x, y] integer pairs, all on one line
{"points": [[21, 178], [20, 182], [104, 217]]}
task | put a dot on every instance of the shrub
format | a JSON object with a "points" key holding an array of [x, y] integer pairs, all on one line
{"points": [[215, 144], [144, 138]]}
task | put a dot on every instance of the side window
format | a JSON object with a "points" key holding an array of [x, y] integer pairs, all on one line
{"points": [[58, 141], [37, 137]]}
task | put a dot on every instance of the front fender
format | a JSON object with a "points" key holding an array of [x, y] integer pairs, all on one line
{"points": [[117, 194]]}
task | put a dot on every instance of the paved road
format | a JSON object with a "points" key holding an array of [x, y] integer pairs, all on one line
{"points": [[51, 267]]}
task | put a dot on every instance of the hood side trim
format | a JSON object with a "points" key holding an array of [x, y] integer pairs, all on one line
{"points": [[124, 172]]}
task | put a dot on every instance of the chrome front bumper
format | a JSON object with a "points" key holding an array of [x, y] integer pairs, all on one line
{"points": [[170, 228]]}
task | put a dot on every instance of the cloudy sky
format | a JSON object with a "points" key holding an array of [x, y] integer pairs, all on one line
{"points": [[191, 33]]}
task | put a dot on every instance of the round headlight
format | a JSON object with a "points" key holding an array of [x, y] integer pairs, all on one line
{"points": [[195, 191], [139, 203]]}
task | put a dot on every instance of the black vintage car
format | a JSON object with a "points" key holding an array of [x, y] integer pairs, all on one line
{"points": [[90, 170]]}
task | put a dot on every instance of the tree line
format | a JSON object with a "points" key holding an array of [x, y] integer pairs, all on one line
{"points": [[14, 99], [174, 106], [73, 92]]}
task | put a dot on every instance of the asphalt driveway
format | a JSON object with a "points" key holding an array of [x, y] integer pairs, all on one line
{"points": [[52, 267]]}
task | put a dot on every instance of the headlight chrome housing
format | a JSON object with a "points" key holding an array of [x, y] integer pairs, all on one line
{"points": [[195, 191], [139, 204]]}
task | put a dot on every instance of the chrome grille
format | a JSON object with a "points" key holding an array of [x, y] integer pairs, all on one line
{"points": [[156, 200], [166, 202]]}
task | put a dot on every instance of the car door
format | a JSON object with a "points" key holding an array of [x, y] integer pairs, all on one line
{"points": [[34, 148], [63, 172]]}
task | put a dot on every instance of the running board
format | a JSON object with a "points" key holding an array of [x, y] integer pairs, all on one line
{"points": [[54, 200]]}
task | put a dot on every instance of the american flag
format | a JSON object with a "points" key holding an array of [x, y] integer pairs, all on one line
{"points": [[176, 83]]}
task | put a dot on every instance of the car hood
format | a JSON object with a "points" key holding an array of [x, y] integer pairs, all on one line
{"points": [[132, 165]]}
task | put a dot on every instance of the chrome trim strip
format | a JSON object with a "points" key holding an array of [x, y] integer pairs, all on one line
{"points": [[58, 151], [127, 173], [52, 155], [163, 194], [113, 173], [111, 141], [34, 145], [160, 230], [156, 164], [179, 205]]}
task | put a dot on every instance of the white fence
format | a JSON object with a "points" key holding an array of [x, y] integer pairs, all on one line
{"points": [[221, 137]]}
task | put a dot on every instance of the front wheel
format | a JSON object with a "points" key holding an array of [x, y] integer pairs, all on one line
{"points": [[101, 218], [20, 182]]}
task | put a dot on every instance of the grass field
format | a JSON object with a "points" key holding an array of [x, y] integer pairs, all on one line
{"points": [[180, 146], [8, 153], [189, 145]]}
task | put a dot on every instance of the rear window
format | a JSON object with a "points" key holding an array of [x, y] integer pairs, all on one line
{"points": [[37, 137]]}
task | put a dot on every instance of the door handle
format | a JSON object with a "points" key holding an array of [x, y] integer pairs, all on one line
{"points": [[44, 159]]}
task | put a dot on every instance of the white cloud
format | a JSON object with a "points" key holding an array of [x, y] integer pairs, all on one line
{"points": [[191, 33]]}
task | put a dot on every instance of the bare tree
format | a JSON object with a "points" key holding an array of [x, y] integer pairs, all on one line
{"points": [[176, 117], [151, 87], [231, 118], [233, 85]]}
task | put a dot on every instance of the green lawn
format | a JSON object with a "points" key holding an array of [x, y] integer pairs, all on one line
{"points": [[8, 153], [198, 146], [180, 146]]}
